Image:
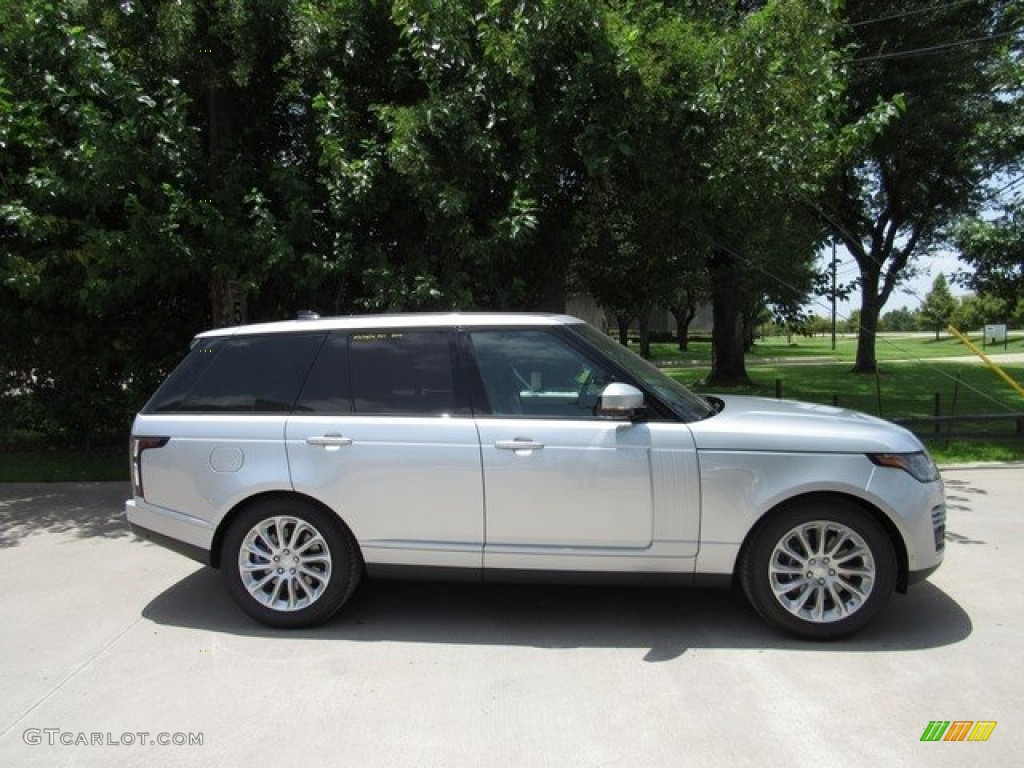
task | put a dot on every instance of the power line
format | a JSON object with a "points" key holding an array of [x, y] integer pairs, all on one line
{"points": [[928, 51], [1010, 185], [916, 12]]}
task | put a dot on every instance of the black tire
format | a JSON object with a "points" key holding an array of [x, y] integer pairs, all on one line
{"points": [[317, 569], [837, 559]]}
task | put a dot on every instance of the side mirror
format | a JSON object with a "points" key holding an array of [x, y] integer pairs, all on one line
{"points": [[621, 401]]}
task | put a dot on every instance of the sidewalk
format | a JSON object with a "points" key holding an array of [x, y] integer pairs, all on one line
{"points": [[752, 361]]}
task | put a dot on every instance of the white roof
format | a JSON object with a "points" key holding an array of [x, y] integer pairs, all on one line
{"points": [[410, 320]]}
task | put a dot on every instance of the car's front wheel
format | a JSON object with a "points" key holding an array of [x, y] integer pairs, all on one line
{"points": [[288, 563], [820, 570]]}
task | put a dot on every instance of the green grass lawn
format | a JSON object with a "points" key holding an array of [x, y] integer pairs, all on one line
{"points": [[34, 466], [889, 347], [901, 389]]}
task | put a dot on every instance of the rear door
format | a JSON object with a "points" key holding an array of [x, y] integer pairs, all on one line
{"points": [[382, 436]]}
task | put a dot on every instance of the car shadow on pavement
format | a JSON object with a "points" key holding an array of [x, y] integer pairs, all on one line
{"points": [[85, 510], [666, 622]]}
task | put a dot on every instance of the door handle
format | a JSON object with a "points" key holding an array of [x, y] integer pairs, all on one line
{"points": [[329, 441], [518, 444]]}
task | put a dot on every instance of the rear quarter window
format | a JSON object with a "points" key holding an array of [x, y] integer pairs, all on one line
{"points": [[247, 374]]}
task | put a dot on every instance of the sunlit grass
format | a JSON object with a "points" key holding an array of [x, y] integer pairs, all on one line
{"points": [[966, 452], [889, 347]]}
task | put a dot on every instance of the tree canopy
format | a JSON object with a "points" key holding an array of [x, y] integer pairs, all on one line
{"points": [[993, 249], [939, 306], [172, 165], [944, 65]]}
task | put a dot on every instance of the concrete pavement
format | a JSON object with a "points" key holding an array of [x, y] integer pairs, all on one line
{"points": [[111, 646]]}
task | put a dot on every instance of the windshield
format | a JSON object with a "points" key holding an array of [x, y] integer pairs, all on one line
{"points": [[686, 404]]}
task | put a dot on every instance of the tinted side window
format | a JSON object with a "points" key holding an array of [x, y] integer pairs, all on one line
{"points": [[407, 373], [537, 374], [328, 388], [254, 374], [170, 395]]}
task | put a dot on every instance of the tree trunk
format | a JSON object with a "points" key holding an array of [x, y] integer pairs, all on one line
{"points": [[875, 287], [728, 366], [553, 288], [684, 316], [623, 321], [870, 308], [220, 302], [750, 329], [645, 334]]}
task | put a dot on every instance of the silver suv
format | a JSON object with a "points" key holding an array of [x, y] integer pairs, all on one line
{"points": [[300, 456]]}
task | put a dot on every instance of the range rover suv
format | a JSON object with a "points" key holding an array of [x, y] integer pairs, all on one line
{"points": [[299, 457]]}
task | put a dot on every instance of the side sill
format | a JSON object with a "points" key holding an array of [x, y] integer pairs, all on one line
{"points": [[190, 551], [537, 576], [422, 572], [617, 578]]}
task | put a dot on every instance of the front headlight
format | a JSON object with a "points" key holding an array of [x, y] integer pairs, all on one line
{"points": [[919, 464]]}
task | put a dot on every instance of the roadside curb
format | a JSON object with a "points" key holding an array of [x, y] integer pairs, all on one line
{"points": [[983, 465]]}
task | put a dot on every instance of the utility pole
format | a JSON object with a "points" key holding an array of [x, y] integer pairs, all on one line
{"points": [[833, 295]]}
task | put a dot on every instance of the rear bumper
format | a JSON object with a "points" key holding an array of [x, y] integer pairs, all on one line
{"points": [[180, 533], [192, 552]]}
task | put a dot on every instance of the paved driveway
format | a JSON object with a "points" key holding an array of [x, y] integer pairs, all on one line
{"points": [[114, 646]]}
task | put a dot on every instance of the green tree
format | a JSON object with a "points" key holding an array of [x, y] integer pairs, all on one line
{"points": [[727, 124], [688, 293], [901, 319], [248, 92], [638, 248], [772, 97], [853, 322], [95, 270], [611, 266], [819, 325], [993, 248], [471, 182], [895, 200], [158, 155], [939, 306], [976, 311]]}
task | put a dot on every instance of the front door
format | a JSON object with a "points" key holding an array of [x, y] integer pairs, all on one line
{"points": [[563, 488]]}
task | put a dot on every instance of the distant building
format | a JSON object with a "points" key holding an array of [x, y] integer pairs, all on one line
{"points": [[585, 308]]}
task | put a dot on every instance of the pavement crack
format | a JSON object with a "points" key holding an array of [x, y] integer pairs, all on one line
{"points": [[68, 678]]}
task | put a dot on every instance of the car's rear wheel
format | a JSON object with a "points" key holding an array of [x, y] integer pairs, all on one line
{"points": [[821, 570], [287, 563]]}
